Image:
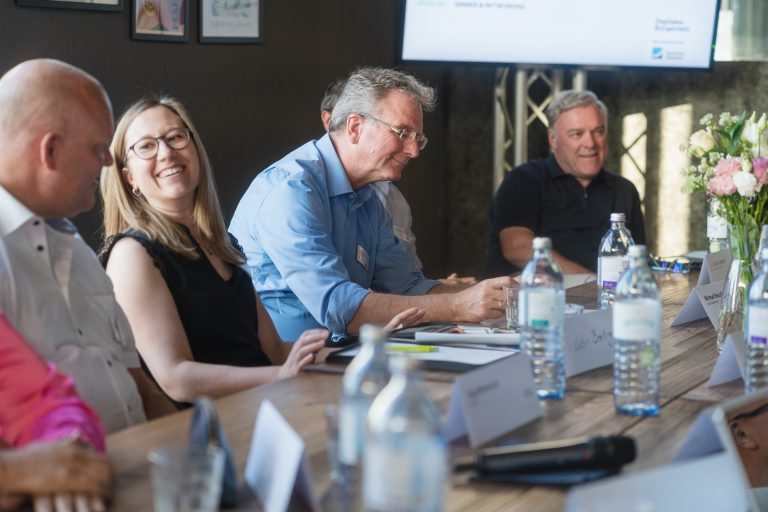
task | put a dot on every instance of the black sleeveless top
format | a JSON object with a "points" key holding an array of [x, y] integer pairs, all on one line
{"points": [[219, 317]]}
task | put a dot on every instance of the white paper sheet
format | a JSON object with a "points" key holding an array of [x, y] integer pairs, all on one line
{"points": [[709, 483], [469, 338]]}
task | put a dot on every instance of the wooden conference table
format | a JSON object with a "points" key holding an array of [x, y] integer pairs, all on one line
{"points": [[688, 355]]}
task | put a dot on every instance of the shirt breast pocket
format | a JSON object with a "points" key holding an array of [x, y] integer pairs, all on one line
{"points": [[106, 321]]}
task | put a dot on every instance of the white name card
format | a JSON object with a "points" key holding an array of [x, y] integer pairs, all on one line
{"points": [[277, 470], [710, 296], [588, 341], [714, 267], [703, 301], [701, 439], [492, 400], [730, 363]]}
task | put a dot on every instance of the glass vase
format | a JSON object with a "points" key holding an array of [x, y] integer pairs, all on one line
{"points": [[744, 240]]}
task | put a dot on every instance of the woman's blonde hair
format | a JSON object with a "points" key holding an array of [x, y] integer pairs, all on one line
{"points": [[123, 210]]}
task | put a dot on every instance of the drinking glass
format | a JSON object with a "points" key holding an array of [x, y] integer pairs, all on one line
{"points": [[510, 303], [187, 480]]}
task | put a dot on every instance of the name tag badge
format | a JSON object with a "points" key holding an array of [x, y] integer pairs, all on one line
{"points": [[362, 257]]}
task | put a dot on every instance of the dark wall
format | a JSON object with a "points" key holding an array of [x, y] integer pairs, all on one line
{"points": [[251, 103]]}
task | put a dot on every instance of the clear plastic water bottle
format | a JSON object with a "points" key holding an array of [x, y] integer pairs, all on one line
{"points": [[612, 259], [406, 455], [717, 228], [541, 304], [756, 368], [365, 377], [637, 338]]}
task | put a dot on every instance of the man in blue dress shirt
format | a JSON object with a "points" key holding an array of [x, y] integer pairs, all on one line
{"points": [[320, 246]]}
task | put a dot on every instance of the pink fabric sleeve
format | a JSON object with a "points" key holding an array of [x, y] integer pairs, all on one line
{"points": [[37, 403]]}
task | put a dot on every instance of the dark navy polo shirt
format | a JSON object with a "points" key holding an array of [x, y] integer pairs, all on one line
{"points": [[539, 196]]}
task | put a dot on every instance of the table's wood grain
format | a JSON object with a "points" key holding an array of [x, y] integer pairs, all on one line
{"points": [[688, 356]]}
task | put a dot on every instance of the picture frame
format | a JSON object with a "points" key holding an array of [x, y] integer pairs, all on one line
{"points": [[86, 5], [160, 20], [230, 21]]}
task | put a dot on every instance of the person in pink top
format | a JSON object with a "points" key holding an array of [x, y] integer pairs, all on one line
{"points": [[55, 442]]}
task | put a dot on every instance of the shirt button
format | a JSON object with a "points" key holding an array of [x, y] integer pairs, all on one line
{"points": [[36, 223], [40, 248], [109, 363], [80, 332]]}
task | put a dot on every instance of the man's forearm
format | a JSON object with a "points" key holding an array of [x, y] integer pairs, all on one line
{"points": [[476, 303], [379, 308], [570, 266]]}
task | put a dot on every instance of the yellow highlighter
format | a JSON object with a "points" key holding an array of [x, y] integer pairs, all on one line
{"points": [[412, 348]]}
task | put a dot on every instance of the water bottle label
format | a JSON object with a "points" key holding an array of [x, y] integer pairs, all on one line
{"points": [[716, 227], [757, 325], [408, 477], [611, 268], [541, 307], [637, 320]]}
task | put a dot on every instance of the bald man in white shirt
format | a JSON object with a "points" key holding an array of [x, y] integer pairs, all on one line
{"points": [[55, 128]]}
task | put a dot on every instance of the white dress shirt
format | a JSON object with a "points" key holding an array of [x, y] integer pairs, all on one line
{"points": [[55, 292], [398, 208]]}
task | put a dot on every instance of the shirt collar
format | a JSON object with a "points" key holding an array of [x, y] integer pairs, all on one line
{"points": [[62, 225], [15, 214], [555, 171], [338, 182]]}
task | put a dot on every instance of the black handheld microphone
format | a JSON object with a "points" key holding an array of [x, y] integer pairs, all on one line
{"points": [[552, 456]]}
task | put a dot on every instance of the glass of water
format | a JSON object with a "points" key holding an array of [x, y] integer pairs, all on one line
{"points": [[510, 303], [187, 480]]}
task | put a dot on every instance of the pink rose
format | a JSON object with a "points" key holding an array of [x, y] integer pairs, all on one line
{"points": [[759, 168], [728, 166], [722, 184]]}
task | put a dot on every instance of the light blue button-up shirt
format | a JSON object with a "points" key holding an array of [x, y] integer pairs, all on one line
{"points": [[315, 247]]}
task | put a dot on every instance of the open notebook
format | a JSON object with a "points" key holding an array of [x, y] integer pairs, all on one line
{"points": [[442, 358]]}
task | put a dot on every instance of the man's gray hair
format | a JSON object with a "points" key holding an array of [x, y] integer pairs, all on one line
{"points": [[366, 86], [570, 99]]}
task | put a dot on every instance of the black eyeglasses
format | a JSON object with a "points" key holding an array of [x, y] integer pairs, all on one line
{"points": [[403, 134], [147, 148], [751, 414]]}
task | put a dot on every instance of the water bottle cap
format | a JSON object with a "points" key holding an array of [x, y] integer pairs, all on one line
{"points": [[616, 217], [637, 251], [374, 333], [542, 243]]}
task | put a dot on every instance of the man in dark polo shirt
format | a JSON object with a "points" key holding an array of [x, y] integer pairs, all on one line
{"points": [[567, 197]]}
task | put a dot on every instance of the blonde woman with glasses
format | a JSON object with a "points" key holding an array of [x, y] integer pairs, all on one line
{"points": [[199, 327]]}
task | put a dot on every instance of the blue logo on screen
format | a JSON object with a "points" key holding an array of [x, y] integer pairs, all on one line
{"points": [[657, 52]]}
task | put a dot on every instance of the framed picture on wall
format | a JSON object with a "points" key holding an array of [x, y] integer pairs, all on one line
{"points": [[230, 21], [160, 20], [91, 5]]}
